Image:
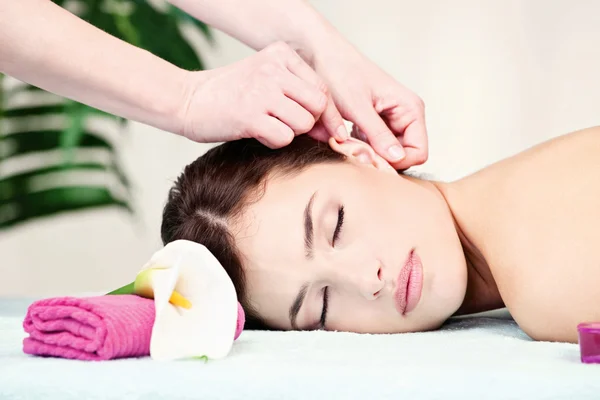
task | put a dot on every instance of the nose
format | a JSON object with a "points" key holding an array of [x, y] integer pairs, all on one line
{"points": [[377, 284], [364, 278], [381, 282]]}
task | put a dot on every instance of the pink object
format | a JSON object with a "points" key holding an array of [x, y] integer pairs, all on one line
{"points": [[589, 342], [94, 328], [241, 320], [89, 328]]}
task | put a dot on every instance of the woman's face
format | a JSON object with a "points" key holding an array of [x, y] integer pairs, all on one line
{"points": [[351, 246]]}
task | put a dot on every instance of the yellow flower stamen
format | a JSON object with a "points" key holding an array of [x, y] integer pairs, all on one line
{"points": [[178, 300]]}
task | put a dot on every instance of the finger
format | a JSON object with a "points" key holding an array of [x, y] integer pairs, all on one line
{"points": [[413, 157], [292, 114], [380, 137], [333, 122], [318, 132], [305, 94], [304, 72], [297, 66], [272, 132], [410, 127], [415, 138]]}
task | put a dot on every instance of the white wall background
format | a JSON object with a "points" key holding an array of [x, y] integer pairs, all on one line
{"points": [[496, 77]]}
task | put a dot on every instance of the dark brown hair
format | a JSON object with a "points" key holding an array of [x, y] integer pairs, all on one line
{"points": [[213, 190]]}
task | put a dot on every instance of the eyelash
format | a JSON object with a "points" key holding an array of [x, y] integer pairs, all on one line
{"points": [[325, 303], [338, 227], [336, 235]]}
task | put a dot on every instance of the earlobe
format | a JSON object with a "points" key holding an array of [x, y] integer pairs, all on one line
{"points": [[361, 153]]}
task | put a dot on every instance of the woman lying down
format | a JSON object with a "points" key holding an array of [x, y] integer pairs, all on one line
{"points": [[318, 236]]}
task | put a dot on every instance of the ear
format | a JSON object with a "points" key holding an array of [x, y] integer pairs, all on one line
{"points": [[360, 152]]}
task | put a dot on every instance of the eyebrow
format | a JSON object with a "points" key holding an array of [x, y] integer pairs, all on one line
{"points": [[308, 227], [308, 251]]}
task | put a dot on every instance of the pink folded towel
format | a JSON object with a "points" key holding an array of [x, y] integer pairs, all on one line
{"points": [[94, 328], [89, 328]]}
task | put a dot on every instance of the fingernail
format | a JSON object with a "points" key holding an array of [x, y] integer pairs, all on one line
{"points": [[342, 132], [396, 152]]}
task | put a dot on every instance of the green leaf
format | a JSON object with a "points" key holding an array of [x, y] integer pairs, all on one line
{"points": [[19, 198], [18, 186], [8, 93], [34, 110], [134, 21], [56, 201], [33, 141], [21, 143], [71, 136], [1, 100], [160, 34], [127, 289], [50, 109], [139, 23]]}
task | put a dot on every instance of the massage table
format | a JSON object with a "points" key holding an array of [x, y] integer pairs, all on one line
{"points": [[482, 357]]}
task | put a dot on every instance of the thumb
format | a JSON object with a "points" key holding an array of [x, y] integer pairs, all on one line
{"points": [[379, 136]]}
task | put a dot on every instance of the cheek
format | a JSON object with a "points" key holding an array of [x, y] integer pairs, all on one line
{"points": [[353, 314], [357, 315], [391, 211], [441, 252], [419, 215]]}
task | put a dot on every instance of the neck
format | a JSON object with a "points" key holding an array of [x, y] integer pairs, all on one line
{"points": [[481, 293]]}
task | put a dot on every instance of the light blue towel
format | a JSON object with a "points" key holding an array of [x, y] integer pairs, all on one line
{"points": [[471, 358]]}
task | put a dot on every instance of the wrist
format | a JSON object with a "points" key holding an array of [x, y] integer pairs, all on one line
{"points": [[186, 111], [308, 32], [322, 44], [162, 90], [179, 104]]}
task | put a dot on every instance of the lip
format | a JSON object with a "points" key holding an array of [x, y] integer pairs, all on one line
{"points": [[409, 284]]}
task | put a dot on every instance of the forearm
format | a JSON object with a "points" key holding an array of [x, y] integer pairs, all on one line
{"points": [[48, 47], [258, 23]]}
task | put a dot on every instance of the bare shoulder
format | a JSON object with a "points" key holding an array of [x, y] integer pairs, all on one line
{"points": [[541, 233], [566, 152]]}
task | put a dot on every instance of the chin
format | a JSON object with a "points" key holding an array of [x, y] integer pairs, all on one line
{"points": [[432, 325], [447, 287]]}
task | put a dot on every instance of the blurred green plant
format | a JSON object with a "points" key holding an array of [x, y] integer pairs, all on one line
{"points": [[57, 155]]}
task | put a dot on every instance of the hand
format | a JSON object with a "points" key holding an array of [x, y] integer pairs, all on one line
{"points": [[272, 96], [385, 114]]}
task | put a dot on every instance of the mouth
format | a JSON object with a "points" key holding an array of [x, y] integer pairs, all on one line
{"points": [[409, 284]]}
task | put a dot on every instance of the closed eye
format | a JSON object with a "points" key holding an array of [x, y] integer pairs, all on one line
{"points": [[338, 227], [324, 311]]}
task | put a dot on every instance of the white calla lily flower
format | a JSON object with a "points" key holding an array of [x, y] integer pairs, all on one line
{"points": [[195, 300]]}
